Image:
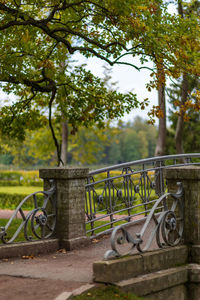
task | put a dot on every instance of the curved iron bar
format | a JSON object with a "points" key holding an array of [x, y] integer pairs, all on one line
{"points": [[42, 219], [168, 228], [145, 161]]}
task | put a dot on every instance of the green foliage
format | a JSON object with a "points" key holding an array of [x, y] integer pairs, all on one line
{"points": [[10, 175], [6, 159], [20, 178], [134, 140], [39, 68], [11, 201], [89, 146]]}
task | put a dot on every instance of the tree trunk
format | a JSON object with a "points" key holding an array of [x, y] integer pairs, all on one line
{"points": [[161, 141], [184, 92], [64, 145], [180, 122]]}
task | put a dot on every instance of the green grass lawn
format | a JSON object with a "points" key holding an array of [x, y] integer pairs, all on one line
{"points": [[106, 293], [24, 190], [12, 228]]}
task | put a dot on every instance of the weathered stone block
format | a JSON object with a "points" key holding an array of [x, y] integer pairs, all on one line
{"points": [[32, 248], [194, 273], [63, 173], [135, 265], [155, 282], [114, 270], [185, 173], [174, 293], [190, 178], [70, 200], [74, 243], [165, 258]]}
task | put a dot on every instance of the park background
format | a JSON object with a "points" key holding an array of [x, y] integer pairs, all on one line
{"points": [[131, 136]]}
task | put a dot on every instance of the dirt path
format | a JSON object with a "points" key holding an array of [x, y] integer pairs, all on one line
{"points": [[44, 277]]}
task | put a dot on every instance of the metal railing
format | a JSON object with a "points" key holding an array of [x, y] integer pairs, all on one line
{"points": [[126, 193], [166, 226], [38, 223]]}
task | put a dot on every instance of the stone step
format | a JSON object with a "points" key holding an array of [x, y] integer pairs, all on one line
{"points": [[154, 282]]}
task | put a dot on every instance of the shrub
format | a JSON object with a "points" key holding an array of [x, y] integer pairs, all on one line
{"points": [[11, 201], [20, 178]]}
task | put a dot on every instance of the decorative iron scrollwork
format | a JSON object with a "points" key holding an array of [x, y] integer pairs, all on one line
{"points": [[168, 228], [119, 193], [100, 199], [39, 223], [137, 188]]}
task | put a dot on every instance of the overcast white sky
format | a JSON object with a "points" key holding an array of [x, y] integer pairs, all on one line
{"points": [[129, 79]]}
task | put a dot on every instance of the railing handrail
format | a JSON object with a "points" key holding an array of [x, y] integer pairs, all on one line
{"points": [[144, 161]]}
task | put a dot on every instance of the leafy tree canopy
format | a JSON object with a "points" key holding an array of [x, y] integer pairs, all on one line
{"points": [[38, 39]]}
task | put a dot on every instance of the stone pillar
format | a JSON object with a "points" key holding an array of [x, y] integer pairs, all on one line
{"points": [[70, 202], [190, 178]]}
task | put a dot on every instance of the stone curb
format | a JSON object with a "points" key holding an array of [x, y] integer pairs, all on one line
{"points": [[64, 296], [76, 292], [29, 248]]}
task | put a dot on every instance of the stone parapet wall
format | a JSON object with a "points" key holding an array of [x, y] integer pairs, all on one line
{"points": [[112, 271], [153, 275]]}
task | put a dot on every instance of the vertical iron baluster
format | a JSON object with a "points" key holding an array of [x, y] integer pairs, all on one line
{"points": [[124, 185], [113, 196], [86, 202], [131, 188], [188, 159], [145, 186], [106, 198], [94, 203], [90, 205], [161, 177], [148, 187], [110, 200], [145, 189], [35, 201], [128, 195]]}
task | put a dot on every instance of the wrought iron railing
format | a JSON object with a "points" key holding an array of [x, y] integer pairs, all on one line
{"points": [[166, 227], [38, 223], [126, 193]]}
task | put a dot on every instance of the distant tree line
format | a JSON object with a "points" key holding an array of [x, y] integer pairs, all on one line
{"points": [[125, 141]]}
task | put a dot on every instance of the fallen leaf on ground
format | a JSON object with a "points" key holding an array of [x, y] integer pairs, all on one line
{"points": [[95, 241], [27, 257], [61, 251]]}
